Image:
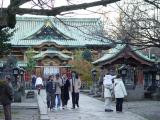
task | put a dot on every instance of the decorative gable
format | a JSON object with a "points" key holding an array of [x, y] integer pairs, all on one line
{"points": [[48, 32]]}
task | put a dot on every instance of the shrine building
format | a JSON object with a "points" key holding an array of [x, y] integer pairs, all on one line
{"points": [[54, 41]]}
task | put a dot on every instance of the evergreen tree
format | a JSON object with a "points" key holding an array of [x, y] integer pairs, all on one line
{"points": [[31, 63], [87, 55], [5, 37]]}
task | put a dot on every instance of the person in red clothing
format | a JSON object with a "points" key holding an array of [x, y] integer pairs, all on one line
{"points": [[27, 80]]}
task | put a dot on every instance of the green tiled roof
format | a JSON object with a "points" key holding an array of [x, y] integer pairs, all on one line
{"points": [[143, 56], [79, 30], [110, 54], [52, 53], [118, 49]]}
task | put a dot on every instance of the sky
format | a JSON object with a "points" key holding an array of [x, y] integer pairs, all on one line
{"points": [[77, 13]]}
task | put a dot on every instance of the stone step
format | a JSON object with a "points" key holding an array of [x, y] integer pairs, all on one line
{"points": [[30, 94]]}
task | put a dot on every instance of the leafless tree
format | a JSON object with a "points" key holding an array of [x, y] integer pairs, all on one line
{"points": [[46, 8], [155, 3], [138, 24]]}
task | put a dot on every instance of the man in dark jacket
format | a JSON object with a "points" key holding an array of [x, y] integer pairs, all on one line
{"points": [[50, 90], [6, 95]]}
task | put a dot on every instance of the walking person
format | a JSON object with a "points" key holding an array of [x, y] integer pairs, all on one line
{"points": [[75, 84], [50, 90], [108, 87], [120, 92], [39, 84], [58, 84], [6, 97], [33, 81], [65, 91]]}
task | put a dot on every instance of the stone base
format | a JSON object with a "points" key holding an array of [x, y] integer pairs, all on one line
{"points": [[44, 117], [156, 96], [17, 96], [30, 94]]}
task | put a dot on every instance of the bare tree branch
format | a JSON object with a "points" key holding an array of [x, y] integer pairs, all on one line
{"points": [[153, 3], [18, 3], [57, 10], [137, 25]]}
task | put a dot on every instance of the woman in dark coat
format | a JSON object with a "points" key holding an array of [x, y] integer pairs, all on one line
{"points": [[6, 96], [65, 91]]}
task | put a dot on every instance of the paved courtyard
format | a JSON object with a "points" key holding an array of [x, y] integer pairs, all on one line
{"points": [[26, 110], [90, 109], [22, 114], [148, 109]]}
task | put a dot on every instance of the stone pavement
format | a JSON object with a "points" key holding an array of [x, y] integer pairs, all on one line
{"points": [[90, 109], [147, 108], [27, 110], [42, 103]]}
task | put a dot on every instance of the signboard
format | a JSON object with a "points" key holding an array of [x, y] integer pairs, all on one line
{"points": [[51, 70]]}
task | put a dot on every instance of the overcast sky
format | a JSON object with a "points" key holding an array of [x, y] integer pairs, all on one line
{"points": [[77, 13]]}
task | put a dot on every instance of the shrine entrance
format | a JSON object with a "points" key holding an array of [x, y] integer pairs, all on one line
{"points": [[46, 71]]}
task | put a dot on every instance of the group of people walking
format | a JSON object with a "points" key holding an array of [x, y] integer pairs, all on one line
{"points": [[114, 87], [58, 87]]}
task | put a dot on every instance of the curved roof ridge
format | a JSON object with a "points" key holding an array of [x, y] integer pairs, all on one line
{"points": [[38, 17], [55, 52], [28, 25], [111, 53], [140, 54]]}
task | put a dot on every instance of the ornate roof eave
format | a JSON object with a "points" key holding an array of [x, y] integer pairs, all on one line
{"points": [[48, 43], [21, 46], [103, 47], [64, 46], [123, 53], [61, 58], [109, 56], [52, 54], [70, 46]]}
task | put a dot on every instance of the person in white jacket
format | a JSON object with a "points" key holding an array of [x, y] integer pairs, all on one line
{"points": [[119, 92], [39, 84], [108, 86]]}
